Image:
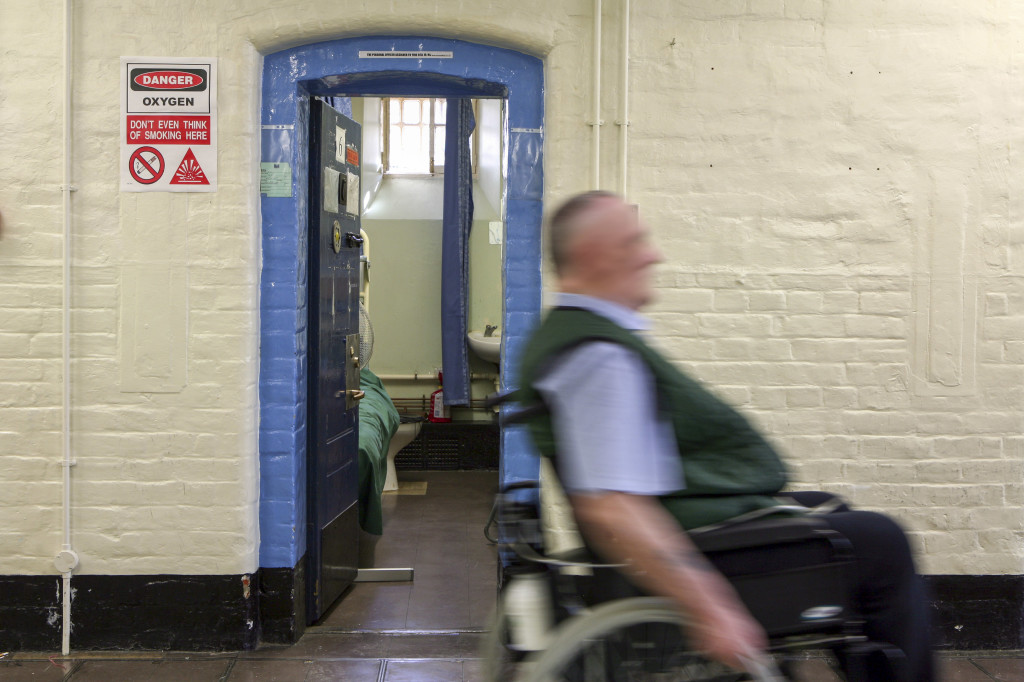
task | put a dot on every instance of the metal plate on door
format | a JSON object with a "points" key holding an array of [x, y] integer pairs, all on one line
{"points": [[336, 237], [353, 393]]}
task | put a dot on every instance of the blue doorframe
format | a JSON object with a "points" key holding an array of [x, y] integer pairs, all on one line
{"points": [[335, 68]]}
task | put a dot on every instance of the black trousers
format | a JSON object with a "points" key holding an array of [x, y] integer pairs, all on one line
{"points": [[888, 593]]}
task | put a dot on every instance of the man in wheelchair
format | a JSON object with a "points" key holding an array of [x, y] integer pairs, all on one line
{"points": [[645, 453]]}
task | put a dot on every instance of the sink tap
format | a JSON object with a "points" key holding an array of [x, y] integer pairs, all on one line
{"points": [[489, 330]]}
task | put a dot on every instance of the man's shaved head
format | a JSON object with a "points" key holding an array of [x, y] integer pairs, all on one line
{"points": [[567, 222], [600, 248]]}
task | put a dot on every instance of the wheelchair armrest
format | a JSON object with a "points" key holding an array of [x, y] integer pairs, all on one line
{"points": [[762, 532]]}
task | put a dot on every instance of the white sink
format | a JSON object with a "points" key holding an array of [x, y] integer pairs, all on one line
{"points": [[486, 347]]}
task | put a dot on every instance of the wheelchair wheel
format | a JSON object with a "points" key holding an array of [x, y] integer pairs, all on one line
{"points": [[624, 641]]}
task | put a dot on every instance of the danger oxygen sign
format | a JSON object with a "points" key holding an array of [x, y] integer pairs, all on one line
{"points": [[168, 125]]}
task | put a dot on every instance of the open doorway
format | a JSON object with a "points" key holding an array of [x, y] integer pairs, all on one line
{"points": [[378, 66], [403, 188], [417, 250], [435, 502]]}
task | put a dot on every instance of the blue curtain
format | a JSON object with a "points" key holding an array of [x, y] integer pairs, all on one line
{"points": [[457, 221]]}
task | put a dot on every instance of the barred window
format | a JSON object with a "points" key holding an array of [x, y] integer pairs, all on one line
{"points": [[414, 134]]}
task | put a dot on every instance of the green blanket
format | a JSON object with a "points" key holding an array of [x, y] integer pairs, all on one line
{"points": [[378, 421]]}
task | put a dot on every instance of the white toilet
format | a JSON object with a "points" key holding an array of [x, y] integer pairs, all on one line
{"points": [[405, 434]]}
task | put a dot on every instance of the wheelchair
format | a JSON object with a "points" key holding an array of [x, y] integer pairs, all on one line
{"points": [[567, 616]]}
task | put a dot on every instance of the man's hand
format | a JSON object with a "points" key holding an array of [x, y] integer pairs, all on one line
{"points": [[637, 531], [724, 630]]}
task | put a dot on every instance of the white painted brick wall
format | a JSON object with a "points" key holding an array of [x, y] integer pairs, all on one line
{"points": [[821, 175]]}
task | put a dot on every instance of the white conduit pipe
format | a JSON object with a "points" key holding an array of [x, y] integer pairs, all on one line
{"points": [[624, 108], [432, 376], [66, 559], [595, 117], [473, 376]]}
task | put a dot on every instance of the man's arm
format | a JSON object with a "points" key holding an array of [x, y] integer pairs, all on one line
{"points": [[637, 531]]}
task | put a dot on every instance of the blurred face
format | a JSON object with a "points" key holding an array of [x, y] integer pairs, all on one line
{"points": [[612, 255]]}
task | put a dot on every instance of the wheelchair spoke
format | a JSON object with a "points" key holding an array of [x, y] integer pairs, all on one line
{"points": [[635, 640], [642, 654]]}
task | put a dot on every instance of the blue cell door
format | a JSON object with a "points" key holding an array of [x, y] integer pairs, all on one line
{"points": [[333, 332]]}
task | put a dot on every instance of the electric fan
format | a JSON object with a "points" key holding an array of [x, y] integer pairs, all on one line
{"points": [[365, 337]]}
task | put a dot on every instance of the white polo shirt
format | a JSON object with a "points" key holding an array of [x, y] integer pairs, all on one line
{"points": [[604, 413]]}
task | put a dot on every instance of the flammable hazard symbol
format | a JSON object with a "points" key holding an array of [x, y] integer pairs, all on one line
{"points": [[189, 171]]}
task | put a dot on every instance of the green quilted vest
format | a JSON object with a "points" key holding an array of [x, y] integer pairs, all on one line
{"points": [[729, 468]]}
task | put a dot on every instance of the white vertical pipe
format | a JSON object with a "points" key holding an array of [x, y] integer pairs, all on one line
{"points": [[66, 559], [66, 257], [595, 116], [624, 106]]}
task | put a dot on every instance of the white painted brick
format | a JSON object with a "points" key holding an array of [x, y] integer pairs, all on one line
{"points": [[884, 398], [689, 350], [803, 301], [752, 349], [685, 300], [1013, 352], [816, 474], [768, 397], [805, 9], [669, 324], [804, 421], [727, 300], [951, 519], [875, 326], [997, 304], [1003, 327], [812, 326], [825, 350], [883, 448], [839, 301], [803, 397], [883, 350], [885, 303], [995, 517], [1013, 494], [767, 300], [734, 325], [994, 352], [762, 202], [1000, 541], [839, 397], [733, 395], [879, 423]]}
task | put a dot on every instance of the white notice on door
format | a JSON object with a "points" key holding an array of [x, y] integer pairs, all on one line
{"points": [[339, 147], [352, 200], [331, 180]]}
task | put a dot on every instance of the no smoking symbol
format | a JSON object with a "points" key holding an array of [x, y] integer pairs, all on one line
{"points": [[146, 165]]}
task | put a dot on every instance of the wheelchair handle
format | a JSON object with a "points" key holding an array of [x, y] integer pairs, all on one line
{"points": [[513, 416], [501, 397]]}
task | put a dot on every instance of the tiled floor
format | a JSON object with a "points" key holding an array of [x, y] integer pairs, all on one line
{"points": [[425, 631], [441, 535]]}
